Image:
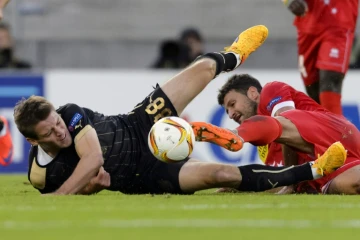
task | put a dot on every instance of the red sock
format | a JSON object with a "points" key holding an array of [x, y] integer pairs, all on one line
{"points": [[260, 130], [331, 101]]}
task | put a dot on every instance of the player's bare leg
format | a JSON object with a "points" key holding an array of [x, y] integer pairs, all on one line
{"points": [[196, 176], [186, 85]]}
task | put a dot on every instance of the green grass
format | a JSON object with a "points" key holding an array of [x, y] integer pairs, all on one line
{"points": [[25, 214]]}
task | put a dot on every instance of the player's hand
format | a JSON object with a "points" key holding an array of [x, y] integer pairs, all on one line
{"points": [[2, 6], [297, 7], [102, 179], [98, 183]]}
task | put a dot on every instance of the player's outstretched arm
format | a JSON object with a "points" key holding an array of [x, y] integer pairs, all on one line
{"points": [[89, 150]]}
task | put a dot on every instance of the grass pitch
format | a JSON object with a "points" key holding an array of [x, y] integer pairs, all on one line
{"points": [[25, 214]]}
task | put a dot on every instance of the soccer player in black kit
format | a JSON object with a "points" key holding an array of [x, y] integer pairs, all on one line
{"points": [[78, 151]]}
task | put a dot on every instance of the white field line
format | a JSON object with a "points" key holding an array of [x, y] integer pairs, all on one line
{"points": [[183, 207], [182, 223]]}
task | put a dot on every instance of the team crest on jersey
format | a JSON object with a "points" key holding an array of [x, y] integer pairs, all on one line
{"points": [[272, 103], [75, 119]]}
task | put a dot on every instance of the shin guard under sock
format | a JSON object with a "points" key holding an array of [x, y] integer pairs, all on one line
{"points": [[257, 178]]}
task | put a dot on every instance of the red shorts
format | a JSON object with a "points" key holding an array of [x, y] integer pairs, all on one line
{"points": [[327, 50], [323, 129]]}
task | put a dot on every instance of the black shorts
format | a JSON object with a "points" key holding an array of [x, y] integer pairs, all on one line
{"points": [[154, 107], [152, 175]]}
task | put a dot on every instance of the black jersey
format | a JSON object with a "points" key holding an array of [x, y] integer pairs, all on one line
{"points": [[123, 140], [118, 140]]}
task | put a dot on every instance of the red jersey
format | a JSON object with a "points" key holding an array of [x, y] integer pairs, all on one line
{"points": [[323, 129], [323, 14], [276, 95], [319, 121]]}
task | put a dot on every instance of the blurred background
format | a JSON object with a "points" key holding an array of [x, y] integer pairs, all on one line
{"points": [[67, 50], [115, 34]]}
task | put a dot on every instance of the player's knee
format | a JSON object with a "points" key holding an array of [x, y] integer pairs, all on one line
{"points": [[206, 65]]}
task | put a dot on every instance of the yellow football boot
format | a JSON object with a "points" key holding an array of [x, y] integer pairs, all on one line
{"points": [[333, 158], [248, 41]]}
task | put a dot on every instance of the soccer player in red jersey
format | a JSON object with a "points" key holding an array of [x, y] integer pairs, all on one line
{"points": [[6, 146], [325, 33], [279, 113]]}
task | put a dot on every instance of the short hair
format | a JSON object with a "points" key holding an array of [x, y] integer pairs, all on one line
{"points": [[240, 83], [29, 112], [191, 33]]}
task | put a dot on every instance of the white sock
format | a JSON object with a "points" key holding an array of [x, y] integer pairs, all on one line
{"points": [[314, 171]]}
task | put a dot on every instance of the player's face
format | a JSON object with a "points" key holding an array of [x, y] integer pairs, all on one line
{"points": [[52, 133], [239, 107]]}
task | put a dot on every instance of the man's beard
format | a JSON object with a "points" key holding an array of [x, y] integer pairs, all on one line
{"points": [[252, 109]]}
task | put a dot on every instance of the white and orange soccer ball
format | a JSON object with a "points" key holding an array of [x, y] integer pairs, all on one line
{"points": [[171, 139]]}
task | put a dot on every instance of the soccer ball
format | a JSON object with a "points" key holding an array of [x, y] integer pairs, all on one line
{"points": [[171, 139]]}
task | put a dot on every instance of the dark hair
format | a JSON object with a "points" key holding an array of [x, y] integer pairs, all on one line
{"points": [[29, 112], [240, 83], [192, 33]]}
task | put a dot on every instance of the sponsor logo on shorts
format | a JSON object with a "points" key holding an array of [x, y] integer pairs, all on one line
{"points": [[75, 119], [272, 103], [334, 53]]}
